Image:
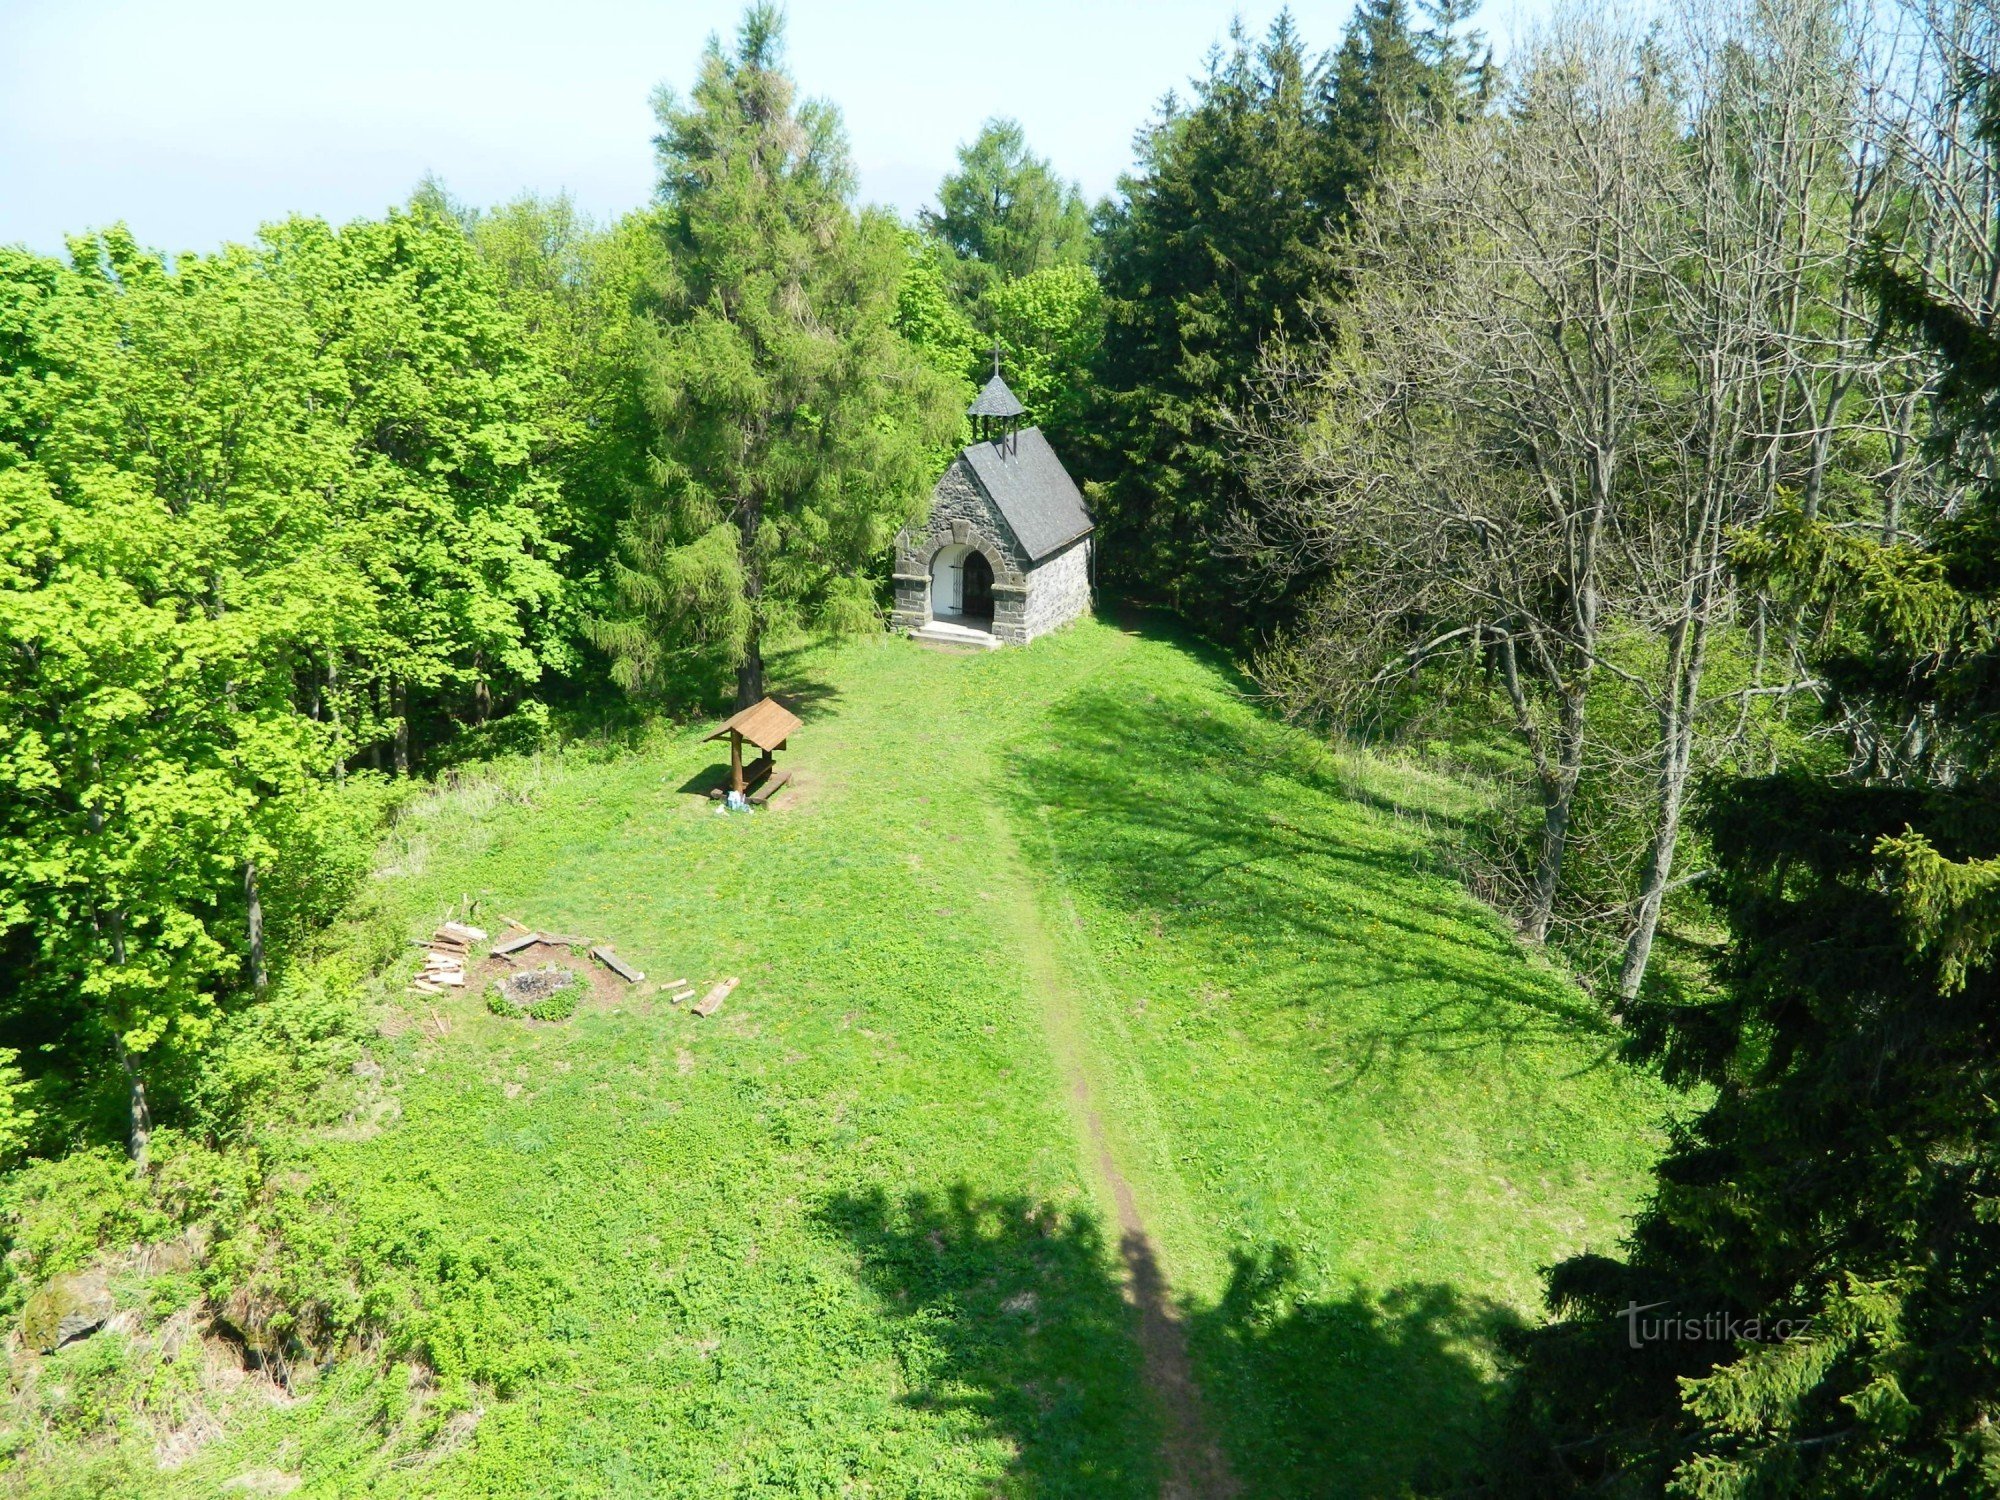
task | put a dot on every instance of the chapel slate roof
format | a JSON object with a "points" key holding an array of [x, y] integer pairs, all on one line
{"points": [[995, 400], [1032, 491]]}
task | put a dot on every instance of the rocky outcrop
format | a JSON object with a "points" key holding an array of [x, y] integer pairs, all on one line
{"points": [[65, 1308]]}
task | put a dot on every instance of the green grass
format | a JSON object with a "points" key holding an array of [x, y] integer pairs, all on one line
{"points": [[842, 1238]]}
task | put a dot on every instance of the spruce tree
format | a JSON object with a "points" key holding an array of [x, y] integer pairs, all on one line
{"points": [[1227, 231]]}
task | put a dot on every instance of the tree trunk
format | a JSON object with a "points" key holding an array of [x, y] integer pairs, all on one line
{"points": [[399, 712], [1548, 866], [1558, 800], [1687, 657], [140, 1134], [258, 975], [141, 1115], [1653, 886], [750, 668], [141, 1127]]}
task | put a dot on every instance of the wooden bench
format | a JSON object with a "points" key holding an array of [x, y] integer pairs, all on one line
{"points": [[754, 776], [764, 793]]}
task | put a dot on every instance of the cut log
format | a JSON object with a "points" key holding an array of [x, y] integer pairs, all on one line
{"points": [[682, 998], [712, 1001], [515, 922], [603, 954], [516, 943], [675, 984]]}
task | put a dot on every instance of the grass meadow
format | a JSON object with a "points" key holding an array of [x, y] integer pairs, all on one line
{"points": [[844, 1238]]}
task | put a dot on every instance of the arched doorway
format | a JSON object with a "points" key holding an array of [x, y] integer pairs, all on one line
{"points": [[977, 603], [962, 586]]}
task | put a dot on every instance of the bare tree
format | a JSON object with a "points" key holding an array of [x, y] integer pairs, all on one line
{"points": [[1774, 362], [1591, 339], [1455, 445]]}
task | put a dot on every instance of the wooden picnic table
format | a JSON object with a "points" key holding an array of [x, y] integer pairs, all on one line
{"points": [[767, 725]]}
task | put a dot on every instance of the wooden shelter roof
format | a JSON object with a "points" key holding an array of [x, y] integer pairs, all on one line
{"points": [[766, 725]]}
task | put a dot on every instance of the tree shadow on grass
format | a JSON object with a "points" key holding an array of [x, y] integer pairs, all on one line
{"points": [[1348, 1397], [1160, 807], [1010, 1311], [1013, 1313], [791, 676]]}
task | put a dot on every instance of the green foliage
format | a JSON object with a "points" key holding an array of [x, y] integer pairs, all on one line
{"points": [[1844, 1177], [1005, 214], [18, 1115], [263, 514], [558, 1007], [1224, 235], [62, 1213], [1048, 324], [931, 318], [793, 425]]}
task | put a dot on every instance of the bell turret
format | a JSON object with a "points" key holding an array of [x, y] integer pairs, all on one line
{"points": [[996, 412]]}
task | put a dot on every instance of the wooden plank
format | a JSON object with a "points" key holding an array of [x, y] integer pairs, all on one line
{"points": [[564, 940], [712, 1001], [459, 932], [516, 943], [764, 793], [603, 954]]}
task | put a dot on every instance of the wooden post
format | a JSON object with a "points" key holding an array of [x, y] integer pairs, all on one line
{"points": [[735, 761]]}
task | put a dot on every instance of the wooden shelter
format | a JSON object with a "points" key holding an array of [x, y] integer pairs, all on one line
{"points": [[767, 725]]}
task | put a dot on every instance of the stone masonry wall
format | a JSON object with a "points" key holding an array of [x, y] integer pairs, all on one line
{"points": [[960, 512], [1027, 601], [1059, 589]]}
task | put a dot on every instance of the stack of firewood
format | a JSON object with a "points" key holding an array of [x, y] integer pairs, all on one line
{"points": [[444, 960]]}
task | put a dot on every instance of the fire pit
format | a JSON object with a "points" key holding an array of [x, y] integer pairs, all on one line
{"points": [[547, 993]]}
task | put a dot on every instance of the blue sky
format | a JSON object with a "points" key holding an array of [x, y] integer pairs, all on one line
{"points": [[196, 120]]}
